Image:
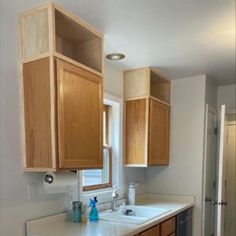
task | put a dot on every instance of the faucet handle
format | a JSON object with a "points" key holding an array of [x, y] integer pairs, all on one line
{"points": [[115, 189], [114, 192]]}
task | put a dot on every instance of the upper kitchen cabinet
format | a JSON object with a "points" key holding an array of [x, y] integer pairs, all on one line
{"points": [[145, 82], [147, 118], [49, 29], [62, 90], [79, 109]]}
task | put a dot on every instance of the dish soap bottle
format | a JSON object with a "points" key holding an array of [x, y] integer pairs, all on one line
{"points": [[93, 215]]}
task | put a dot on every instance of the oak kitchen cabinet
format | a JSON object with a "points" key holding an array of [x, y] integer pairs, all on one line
{"points": [[166, 228], [61, 59], [147, 118], [154, 231]]}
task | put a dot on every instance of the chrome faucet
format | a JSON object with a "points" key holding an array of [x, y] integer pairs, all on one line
{"points": [[115, 195]]}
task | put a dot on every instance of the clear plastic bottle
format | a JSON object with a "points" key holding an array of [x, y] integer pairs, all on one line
{"points": [[76, 211], [84, 213]]}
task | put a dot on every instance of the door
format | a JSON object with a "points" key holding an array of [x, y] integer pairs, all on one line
{"points": [[159, 122], [80, 107], [209, 172], [221, 174], [154, 231], [135, 146], [230, 211]]}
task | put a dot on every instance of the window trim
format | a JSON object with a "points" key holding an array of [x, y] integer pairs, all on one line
{"points": [[105, 185], [105, 146]]}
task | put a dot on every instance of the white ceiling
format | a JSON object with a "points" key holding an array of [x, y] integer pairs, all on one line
{"points": [[181, 38]]}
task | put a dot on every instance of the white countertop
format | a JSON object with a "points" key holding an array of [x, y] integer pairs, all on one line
{"points": [[59, 225]]}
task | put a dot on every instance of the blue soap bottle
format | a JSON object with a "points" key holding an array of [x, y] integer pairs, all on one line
{"points": [[93, 215]]}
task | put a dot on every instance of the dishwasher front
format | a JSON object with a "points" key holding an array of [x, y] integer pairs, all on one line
{"points": [[184, 223]]}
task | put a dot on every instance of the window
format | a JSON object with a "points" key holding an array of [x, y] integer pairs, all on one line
{"points": [[101, 178]]}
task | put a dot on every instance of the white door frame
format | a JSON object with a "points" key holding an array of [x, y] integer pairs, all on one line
{"points": [[221, 173], [208, 109]]}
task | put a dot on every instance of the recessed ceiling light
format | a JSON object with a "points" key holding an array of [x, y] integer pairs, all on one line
{"points": [[115, 56]]}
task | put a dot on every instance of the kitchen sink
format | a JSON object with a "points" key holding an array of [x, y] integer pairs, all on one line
{"points": [[136, 215]]}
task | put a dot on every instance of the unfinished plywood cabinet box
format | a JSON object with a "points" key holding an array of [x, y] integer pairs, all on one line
{"points": [[61, 59], [147, 118]]}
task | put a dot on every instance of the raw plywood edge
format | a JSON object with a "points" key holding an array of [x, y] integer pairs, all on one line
{"points": [[34, 9]]}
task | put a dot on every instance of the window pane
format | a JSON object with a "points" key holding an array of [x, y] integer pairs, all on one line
{"points": [[92, 177], [98, 176], [104, 128], [105, 124]]}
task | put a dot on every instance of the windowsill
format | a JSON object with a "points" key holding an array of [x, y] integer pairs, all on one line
{"points": [[103, 195], [97, 191], [96, 187]]}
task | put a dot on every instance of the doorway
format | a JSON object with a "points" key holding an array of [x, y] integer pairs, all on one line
{"points": [[219, 182], [209, 190]]}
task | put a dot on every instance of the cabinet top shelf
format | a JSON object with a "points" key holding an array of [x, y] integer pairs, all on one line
{"points": [[146, 82], [49, 29], [72, 16]]}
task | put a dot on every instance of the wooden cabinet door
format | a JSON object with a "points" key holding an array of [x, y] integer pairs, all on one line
{"points": [[159, 119], [136, 127], [80, 106], [154, 231], [168, 227]]}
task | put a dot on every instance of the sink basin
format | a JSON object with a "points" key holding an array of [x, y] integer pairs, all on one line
{"points": [[139, 215]]}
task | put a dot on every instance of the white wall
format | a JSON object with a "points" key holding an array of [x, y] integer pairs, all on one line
{"points": [[184, 173], [113, 81], [211, 93], [226, 95]]}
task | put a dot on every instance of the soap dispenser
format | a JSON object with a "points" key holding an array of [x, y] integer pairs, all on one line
{"points": [[132, 193], [93, 215]]}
